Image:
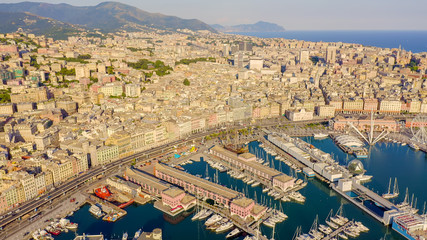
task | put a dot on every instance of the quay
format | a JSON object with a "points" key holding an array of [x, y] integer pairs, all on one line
{"points": [[358, 204], [339, 178], [289, 157], [246, 162], [107, 207]]}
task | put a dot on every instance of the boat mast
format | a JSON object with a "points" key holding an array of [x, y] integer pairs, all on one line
{"points": [[389, 185], [272, 235], [396, 188], [314, 226]]}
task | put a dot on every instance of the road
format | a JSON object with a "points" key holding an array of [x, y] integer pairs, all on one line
{"points": [[34, 204]]}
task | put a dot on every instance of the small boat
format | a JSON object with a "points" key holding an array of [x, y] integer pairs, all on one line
{"points": [[362, 227], [96, 211], [414, 146], [137, 234], [233, 233], [72, 225], [342, 235], [54, 231], [332, 225], [350, 233], [198, 214], [215, 218], [206, 214], [320, 135], [224, 227], [125, 236], [255, 184], [269, 223]]}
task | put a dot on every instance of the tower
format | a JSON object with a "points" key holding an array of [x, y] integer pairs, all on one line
{"points": [[303, 56], [331, 54]]}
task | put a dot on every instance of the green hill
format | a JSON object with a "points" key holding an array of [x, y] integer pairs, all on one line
{"points": [[106, 16], [12, 21]]}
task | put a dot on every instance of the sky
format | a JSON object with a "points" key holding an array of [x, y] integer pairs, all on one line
{"points": [[291, 14]]}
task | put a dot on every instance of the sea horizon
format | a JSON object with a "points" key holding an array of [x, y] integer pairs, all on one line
{"points": [[410, 40]]}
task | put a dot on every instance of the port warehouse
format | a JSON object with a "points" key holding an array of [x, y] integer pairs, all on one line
{"points": [[166, 177], [247, 163], [401, 218], [320, 164], [202, 188]]}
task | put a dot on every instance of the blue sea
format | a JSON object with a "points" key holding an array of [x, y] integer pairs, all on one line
{"points": [[415, 41]]}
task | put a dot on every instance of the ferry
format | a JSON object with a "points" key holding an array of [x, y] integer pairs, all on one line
{"points": [[320, 135], [102, 193], [96, 211]]}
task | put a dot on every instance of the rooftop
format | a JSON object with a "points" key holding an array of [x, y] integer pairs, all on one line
{"points": [[212, 187], [173, 192], [243, 202]]}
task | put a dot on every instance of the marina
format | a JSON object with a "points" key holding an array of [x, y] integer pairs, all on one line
{"points": [[311, 192]]}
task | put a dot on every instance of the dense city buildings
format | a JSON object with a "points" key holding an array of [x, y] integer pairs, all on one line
{"points": [[71, 105]]}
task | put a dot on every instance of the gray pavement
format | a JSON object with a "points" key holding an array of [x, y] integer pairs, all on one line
{"points": [[59, 211]]}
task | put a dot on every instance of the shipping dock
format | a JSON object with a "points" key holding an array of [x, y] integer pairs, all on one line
{"points": [[347, 184]]}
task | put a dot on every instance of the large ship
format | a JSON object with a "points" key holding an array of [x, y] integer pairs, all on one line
{"points": [[237, 149], [407, 225], [102, 192]]}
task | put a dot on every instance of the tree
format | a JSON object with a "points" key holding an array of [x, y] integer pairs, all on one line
{"points": [[110, 70], [84, 56], [186, 82]]}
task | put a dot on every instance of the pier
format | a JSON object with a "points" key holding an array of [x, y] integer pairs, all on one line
{"points": [[249, 227], [345, 182], [358, 204], [337, 231], [289, 157]]}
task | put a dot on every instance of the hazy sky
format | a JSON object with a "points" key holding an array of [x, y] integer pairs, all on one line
{"points": [[293, 15]]}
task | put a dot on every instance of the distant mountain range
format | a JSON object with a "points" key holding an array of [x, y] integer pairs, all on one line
{"points": [[106, 16], [256, 27]]}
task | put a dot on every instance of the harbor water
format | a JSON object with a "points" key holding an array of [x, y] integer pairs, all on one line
{"points": [[384, 161]]}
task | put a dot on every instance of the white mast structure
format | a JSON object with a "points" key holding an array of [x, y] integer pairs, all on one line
{"points": [[371, 140]]}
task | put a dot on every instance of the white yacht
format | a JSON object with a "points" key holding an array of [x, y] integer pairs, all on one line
{"points": [[215, 218], [233, 233], [224, 227]]}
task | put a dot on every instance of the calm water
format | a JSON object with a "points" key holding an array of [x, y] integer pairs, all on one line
{"points": [[415, 41], [385, 161]]}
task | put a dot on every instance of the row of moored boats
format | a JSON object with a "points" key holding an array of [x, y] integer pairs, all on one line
{"points": [[216, 222]]}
